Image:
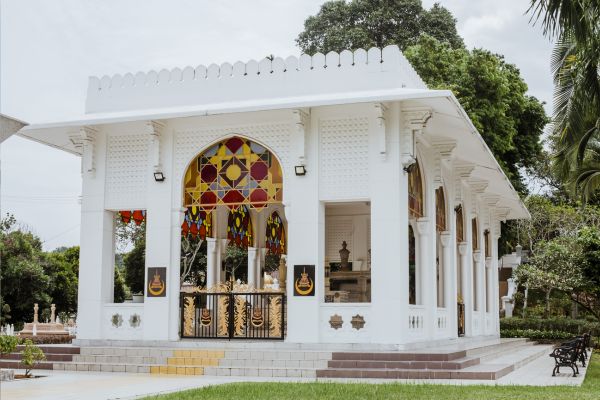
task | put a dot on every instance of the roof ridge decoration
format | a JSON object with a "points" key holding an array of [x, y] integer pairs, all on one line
{"points": [[375, 68]]}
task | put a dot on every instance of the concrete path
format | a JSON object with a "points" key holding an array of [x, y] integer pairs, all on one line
{"points": [[61, 385]]}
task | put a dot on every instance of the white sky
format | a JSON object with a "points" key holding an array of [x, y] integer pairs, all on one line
{"points": [[49, 48]]}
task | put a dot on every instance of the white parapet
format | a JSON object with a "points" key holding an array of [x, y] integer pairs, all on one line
{"points": [[373, 69]]}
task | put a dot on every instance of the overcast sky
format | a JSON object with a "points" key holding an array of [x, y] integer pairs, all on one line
{"points": [[49, 48]]}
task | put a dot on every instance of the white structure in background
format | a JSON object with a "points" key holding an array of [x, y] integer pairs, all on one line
{"points": [[358, 150], [508, 265]]}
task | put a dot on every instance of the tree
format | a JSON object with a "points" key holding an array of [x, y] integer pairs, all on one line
{"points": [[576, 70], [236, 260], [193, 260], [135, 266], [341, 25], [121, 292], [63, 280], [494, 96], [31, 357], [555, 266], [587, 294]]}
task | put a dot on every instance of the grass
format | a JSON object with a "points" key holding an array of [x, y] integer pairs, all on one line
{"points": [[349, 391]]}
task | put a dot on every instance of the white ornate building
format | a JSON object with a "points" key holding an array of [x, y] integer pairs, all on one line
{"points": [[343, 147]]}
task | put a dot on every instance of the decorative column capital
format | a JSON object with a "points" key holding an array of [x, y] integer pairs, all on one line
{"points": [[415, 120], [154, 129], [477, 256], [462, 248], [445, 238], [423, 226]]}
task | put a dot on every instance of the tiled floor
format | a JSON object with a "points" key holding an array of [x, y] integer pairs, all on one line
{"points": [[61, 385]]}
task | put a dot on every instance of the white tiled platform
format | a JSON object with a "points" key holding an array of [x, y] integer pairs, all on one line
{"points": [[62, 385]]}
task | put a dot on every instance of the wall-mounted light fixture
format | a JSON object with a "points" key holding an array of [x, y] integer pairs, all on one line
{"points": [[159, 176], [300, 170], [458, 208]]}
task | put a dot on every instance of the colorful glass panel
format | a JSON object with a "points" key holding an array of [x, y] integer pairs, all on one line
{"points": [[239, 227], [137, 216], [415, 191], [486, 240], [440, 210], [275, 234], [233, 172], [197, 223], [475, 234], [460, 229]]}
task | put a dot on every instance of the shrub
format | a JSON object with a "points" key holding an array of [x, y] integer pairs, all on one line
{"points": [[571, 326], [8, 344], [31, 357], [49, 339], [537, 335]]}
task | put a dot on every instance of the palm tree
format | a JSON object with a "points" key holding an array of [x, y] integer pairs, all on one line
{"points": [[576, 72]]}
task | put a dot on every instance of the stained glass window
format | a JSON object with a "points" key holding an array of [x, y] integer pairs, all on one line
{"points": [[486, 240], [415, 191], [440, 209], [412, 267], [197, 223], [475, 234], [460, 229], [239, 227], [275, 234], [233, 172], [137, 216]]}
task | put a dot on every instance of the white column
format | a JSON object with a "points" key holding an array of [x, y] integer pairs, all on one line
{"points": [[496, 283], [479, 290], [428, 275], [252, 251], [489, 292], [211, 262], [449, 271], [466, 285]]}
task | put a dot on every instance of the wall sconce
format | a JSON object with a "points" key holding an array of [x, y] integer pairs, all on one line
{"points": [[300, 170], [159, 176]]}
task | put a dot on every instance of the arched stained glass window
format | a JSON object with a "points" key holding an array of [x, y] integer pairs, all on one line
{"points": [[415, 191], [275, 234], [460, 225], [239, 227], [440, 210], [137, 216], [233, 172], [486, 239], [475, 234], [197, 223]]}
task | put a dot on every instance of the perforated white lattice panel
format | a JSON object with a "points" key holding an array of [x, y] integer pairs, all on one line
{"points": [[189, 143], [344, 158], [338, 229], [127, 172]]}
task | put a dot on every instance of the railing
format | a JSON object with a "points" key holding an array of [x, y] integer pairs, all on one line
{"points": [[416, 319], [233, 315], [441, 321]]}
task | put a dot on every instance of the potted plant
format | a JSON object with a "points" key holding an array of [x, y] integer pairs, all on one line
{"points": [[138, 297]]}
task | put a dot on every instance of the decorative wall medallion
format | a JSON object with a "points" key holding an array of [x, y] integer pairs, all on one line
{"points": [[336, 321], [304, 280], [134, 320], [257, 319], [205, 317], [116, 320], [358, 322], [157, 282]]}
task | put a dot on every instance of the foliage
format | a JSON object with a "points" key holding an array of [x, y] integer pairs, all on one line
{"points": [[31, 356], [135, 265], [363, 24], [121, 291], [576, 70], [535, 334], [393, 390], [236, 263], [568, 325], [555, 266], [29, 275], [587, 294], [193, 260], [4, 314], [493, 94], [52, 339], [272, 262], [8, 344]]}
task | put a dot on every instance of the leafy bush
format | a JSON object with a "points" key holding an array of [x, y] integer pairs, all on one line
{"points": [[571, 326], [8, 344], [31, 357], [50, 339], [540, 336]]}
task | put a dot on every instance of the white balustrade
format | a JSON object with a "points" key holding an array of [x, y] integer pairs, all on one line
{"points": [[416, 320]]}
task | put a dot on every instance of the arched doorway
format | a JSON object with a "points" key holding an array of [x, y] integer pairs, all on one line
{"points": [[231, 192]]}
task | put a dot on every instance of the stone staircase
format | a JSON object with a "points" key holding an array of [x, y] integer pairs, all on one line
{"points": [[53, 353], [485, 361]]}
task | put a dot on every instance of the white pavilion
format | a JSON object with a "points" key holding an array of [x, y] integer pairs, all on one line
{"points": [[290, 157]]}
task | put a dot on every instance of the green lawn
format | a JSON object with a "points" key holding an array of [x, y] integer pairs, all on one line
{"points": [[341, 391]]}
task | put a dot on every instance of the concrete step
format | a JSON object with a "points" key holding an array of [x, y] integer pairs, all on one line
{"points": [[277, 355], [102, 359], [55, 349], [242, 363], [104, 367], [49, 356], [16, 364], [291, 372], [421, 365]]}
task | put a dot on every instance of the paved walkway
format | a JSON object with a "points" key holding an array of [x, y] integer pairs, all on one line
{"points": [[61, 385]]}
